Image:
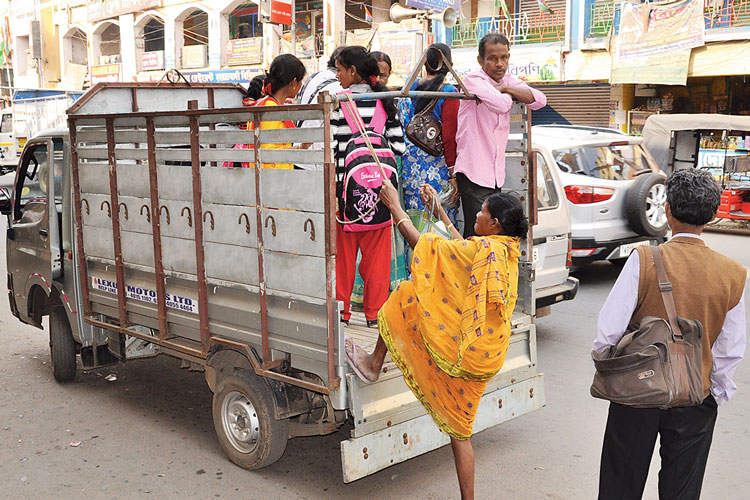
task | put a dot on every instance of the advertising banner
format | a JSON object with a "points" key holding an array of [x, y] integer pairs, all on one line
{"points": [[223, 76], [655, 41], [105, 73], [281, 11], [533, 65], [244, 51], [436, 5], [151, 61]]}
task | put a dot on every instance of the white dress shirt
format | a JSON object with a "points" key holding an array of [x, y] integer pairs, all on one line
{"points": [[617, 311]]}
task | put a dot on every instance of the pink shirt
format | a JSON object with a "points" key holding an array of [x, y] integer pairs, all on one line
{"points": [[483, 128]]}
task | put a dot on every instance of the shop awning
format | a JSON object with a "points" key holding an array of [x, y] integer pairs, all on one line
{"points": [[720, 59], [715, 59]]}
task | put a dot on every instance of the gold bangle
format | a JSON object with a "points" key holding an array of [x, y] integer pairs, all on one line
{"points": [[398, 224], [449, 226]]}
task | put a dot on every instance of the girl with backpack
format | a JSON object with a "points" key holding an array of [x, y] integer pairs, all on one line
{"points": [[282, 82], [364, 222]]}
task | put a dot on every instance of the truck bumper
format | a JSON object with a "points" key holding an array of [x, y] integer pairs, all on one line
{"points": [[558, 293], [375, 451]]}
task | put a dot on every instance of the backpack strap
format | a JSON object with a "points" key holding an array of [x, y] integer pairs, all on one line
{"points": [[352, 116]]}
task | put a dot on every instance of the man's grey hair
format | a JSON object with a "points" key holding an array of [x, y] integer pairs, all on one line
{"points": [[492, 39], [693, 195]]}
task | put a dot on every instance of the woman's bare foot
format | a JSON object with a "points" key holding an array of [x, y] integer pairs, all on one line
{"points": [[360, 361]]}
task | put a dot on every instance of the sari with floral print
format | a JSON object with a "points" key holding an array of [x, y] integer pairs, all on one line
{"points": [[448, 329]]}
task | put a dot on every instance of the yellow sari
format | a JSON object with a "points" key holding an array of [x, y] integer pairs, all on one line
{"points": [[448, 329]]}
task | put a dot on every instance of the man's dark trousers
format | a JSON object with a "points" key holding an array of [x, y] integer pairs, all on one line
{"points": [[472, 197], [629, 444]]}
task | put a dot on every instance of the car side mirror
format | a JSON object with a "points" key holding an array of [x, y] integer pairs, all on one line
{"points": [[5, 204]]}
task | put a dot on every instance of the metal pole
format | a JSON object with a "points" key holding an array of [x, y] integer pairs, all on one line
{"points": [[294, 28]]}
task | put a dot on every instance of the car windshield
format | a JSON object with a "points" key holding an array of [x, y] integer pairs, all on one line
{"points": [[617, 162]]}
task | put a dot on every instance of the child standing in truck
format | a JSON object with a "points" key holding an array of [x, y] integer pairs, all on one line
{"points": [[282, 82]]}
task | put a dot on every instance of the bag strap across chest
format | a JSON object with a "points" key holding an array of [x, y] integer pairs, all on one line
{"points": [[665, 288]]}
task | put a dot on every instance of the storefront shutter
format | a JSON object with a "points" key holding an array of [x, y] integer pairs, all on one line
{"points": [[574, 105]]}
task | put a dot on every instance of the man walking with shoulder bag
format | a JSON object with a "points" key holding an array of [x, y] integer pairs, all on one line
{"points": [[708, 287]]}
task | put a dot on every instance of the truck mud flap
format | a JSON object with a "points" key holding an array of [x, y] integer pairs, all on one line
{"points": [[372, 452]]}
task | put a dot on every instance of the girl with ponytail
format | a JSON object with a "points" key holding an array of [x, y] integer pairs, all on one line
{"points": [[357, 71], [282, 82]]}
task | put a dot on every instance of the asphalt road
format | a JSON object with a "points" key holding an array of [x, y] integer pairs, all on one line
{"points": [[148, 434]]}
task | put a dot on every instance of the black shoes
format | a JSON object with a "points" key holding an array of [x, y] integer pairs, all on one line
{"points": [[372, 323]]}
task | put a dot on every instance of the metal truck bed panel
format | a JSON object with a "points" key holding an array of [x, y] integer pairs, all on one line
{"points": [[389, 401], [375, 451]]}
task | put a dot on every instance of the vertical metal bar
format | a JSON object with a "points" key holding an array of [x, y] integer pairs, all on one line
{"points": [[200, 258], [115, 210], [211, 126], [82, 269], [153, 177], [329, 169], [261, 250], [531, 161]]}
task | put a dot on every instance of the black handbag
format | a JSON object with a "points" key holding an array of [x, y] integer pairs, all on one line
{"points": [[426, 132]]}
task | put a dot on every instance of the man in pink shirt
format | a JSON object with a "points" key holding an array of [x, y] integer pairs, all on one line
{"points": [[483, 126]]}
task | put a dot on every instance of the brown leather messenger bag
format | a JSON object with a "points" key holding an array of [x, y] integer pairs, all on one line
{"points": [[656, 364]]}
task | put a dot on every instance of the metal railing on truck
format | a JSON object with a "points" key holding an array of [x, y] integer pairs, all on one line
{"points": [[148, 159]]}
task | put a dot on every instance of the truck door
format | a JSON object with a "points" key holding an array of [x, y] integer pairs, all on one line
{"points": [[33, 236]]}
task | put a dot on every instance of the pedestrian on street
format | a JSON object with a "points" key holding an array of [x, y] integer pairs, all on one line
{"points": [[708, 287], [483, 125], [448, 329]]}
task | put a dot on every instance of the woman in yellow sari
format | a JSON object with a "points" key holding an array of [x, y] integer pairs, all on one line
{"points": [[448, 329]]}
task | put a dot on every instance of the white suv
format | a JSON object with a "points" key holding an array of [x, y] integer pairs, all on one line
{"points": [[616, 193]]}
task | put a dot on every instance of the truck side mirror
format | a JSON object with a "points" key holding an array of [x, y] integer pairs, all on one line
{"points": [[5, 204]]}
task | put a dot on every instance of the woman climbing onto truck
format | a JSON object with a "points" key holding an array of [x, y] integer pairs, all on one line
{"points": [[448, 329]]}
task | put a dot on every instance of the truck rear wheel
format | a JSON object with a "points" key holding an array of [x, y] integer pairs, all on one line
{"points": [[243, 415], [62, 346]]}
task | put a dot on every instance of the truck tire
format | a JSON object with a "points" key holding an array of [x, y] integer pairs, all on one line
{"points": [[62, 346], [644, 205], [243, 414]]}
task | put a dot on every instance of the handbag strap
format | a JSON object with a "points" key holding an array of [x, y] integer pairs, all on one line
{"points": [[665, 288]]}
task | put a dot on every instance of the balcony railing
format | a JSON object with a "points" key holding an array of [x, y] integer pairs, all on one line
{"points": [[731, 14], [520, 28]]}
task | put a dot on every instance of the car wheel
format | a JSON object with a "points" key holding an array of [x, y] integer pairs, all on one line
{"points": [[62, 346], [645, 205], [243, 414]]}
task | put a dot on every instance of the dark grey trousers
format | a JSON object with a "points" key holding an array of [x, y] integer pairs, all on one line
{"points": [[472, 197], [629, 440]]}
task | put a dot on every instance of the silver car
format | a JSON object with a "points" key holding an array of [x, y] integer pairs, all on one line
{"points": [[615, 192]]}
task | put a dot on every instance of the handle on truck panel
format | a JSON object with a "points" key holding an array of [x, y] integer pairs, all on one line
{"points": [[208, 212], [247, 222], [312, 229], [189, 216], [101, 207], [273, 224], [148, 213], [123, 205], [84, 200], [167, 210], [43, 233]]}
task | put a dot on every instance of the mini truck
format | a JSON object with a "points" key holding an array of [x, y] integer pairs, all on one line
{"points": [[129, 231]]}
